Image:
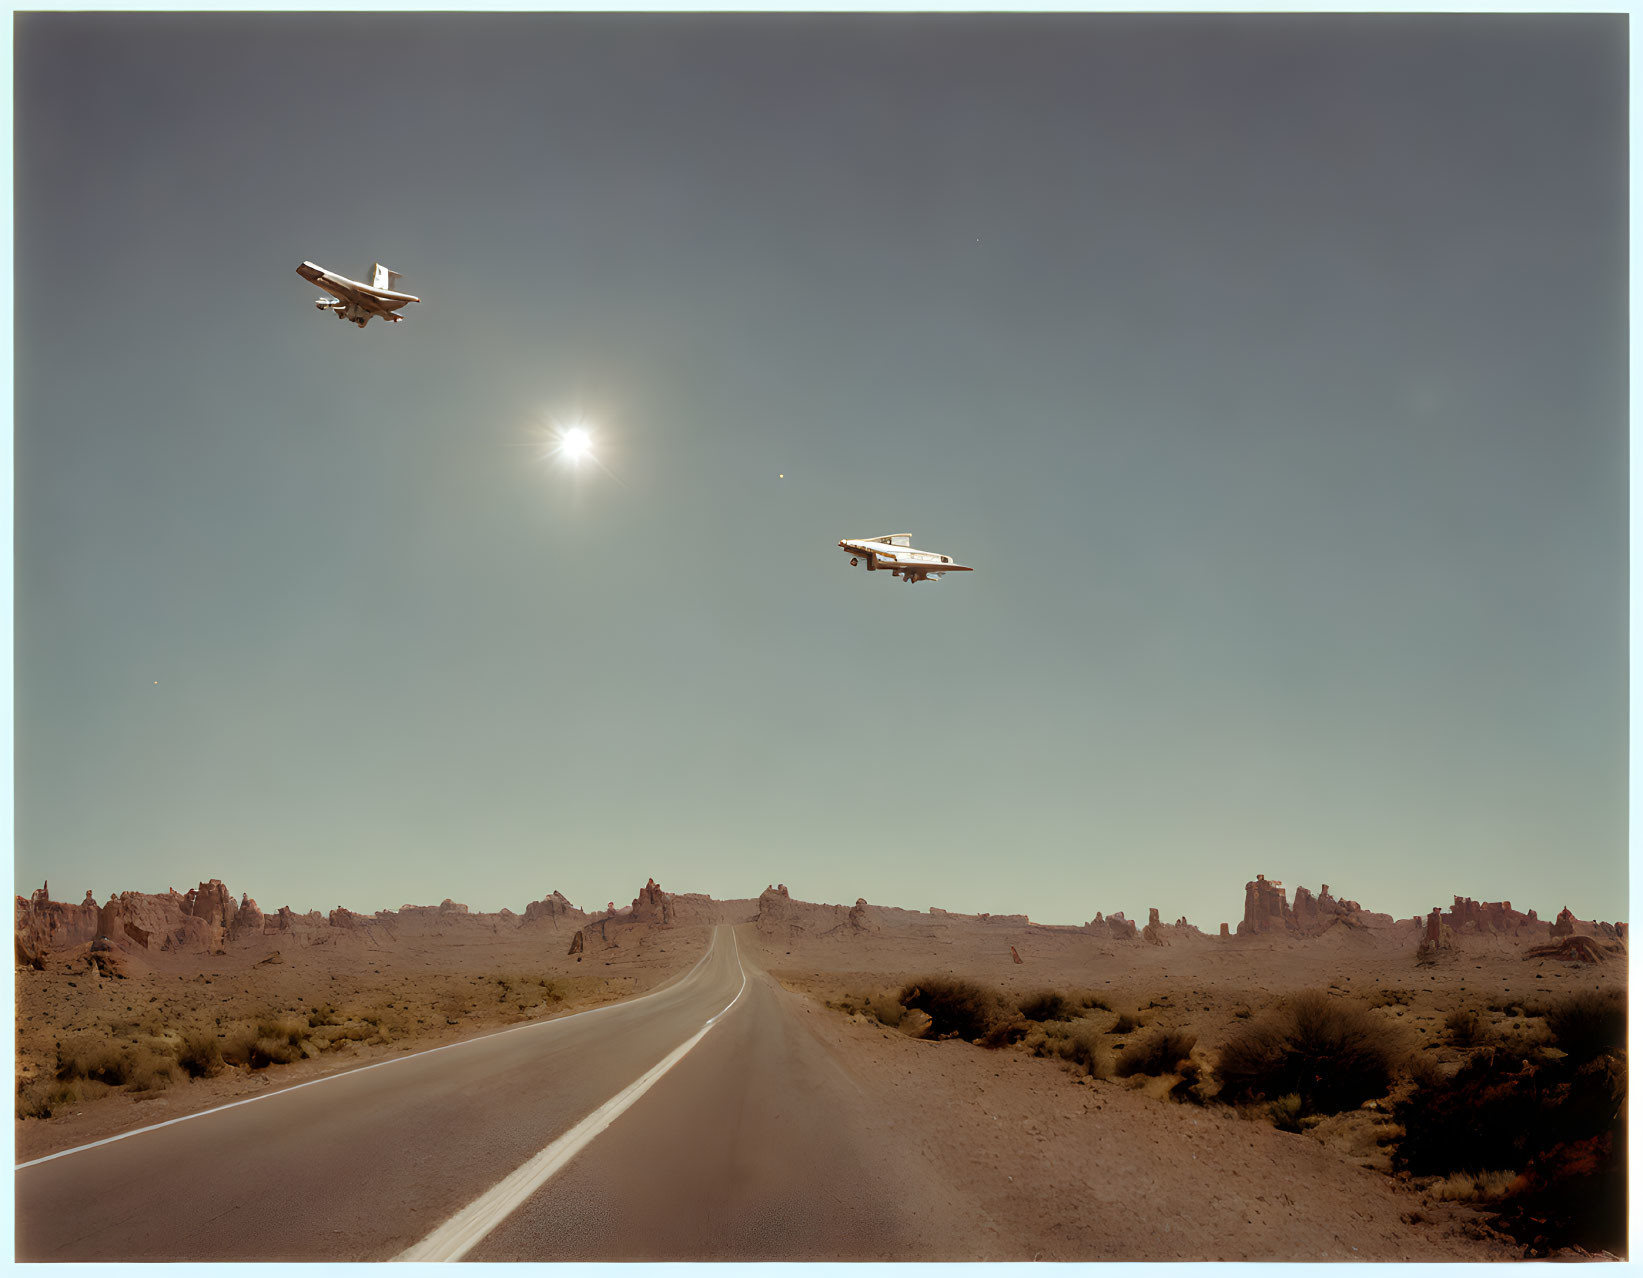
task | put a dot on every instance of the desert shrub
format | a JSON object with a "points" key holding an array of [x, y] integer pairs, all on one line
{"points": [[1330, 1052], [283, 1029], [32, 1103], [150, 1069], [1095, 1001], [1498, 1110], [200, 1055], [1047, 1005], [237, 1044], [1085, 1050], [1391, 998], [1157, 1053], [38, 1100], [266, 1051], [1554, 1120], [958, 1008], [1466, 1028], [1286, 1112], [1125, 1024], [96, 1060], [1588, 1025], [1473, 1187]]}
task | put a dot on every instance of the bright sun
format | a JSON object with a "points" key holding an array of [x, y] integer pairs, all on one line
{"points": [[576, 444]]}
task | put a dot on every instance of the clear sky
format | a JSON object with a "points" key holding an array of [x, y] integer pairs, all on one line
{"points": [[1270, 371]]}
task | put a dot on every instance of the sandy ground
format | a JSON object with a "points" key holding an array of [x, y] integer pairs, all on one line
{"points": [[1062, 1165], [1071, 1167]]}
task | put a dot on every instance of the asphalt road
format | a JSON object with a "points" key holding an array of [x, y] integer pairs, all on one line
{"points": [[701, 1121]]}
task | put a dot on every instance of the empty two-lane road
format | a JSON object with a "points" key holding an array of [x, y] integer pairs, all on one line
{"points": [[749, 1143]]}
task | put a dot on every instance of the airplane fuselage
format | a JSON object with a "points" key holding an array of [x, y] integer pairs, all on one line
{"points": [[893, 554]]}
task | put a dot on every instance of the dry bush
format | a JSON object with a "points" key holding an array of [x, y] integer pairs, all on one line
{"points": [[1467, 1029], [1157, 1053], [200, 1055], [1286, 1112], [97, 1060], [267, 1051], [960, 1009], [1473, 1187], [1084, 1049], [38, 1100], [32, 1103], [1498, 1110], [1125, 1024], [1047, 1005], [1089, 999], [1390, 998], [1556, 1120], [150, 1069], [237, 1044], [282, 1029], [1330, 1052], [1588, 1025]]}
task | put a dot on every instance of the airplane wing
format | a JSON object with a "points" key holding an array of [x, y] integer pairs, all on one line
{"points": [[363, 298]]}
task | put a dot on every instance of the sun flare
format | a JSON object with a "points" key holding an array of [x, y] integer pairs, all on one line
{"points": [[576, 443]]}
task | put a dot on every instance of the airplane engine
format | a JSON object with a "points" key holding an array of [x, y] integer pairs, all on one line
{"points": [[325, 304]]}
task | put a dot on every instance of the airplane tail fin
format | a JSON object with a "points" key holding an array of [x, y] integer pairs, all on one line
{"points": [[382, 277]]}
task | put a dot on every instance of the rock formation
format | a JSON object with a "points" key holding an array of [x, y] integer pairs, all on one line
{"points": [[1266, 909], [1467, 915], [212, 903], [1014, 955], [550, 908], [576, 943], [651, 905], [248, 920]]}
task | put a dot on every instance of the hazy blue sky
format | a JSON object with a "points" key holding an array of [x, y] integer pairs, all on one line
{"points": [[1271, 372]]}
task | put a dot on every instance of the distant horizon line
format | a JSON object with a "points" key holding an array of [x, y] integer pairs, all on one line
{"points": [[411, 905]]}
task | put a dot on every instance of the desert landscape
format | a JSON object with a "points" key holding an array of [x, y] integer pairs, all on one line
{"points": [[1314, 1082]]}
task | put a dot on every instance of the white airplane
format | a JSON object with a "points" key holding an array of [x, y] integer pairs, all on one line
{"points": [[894, 552], [355, 301]]}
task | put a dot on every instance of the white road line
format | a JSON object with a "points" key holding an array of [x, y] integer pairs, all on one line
{"points": [[457, 1236], [397, 1060]]}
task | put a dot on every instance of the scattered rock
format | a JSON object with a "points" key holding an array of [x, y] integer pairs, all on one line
{"points": [[1571, 949]]}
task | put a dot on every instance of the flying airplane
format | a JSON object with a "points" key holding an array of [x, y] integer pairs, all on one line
{"points": [[355, 301], [894, 551]]}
